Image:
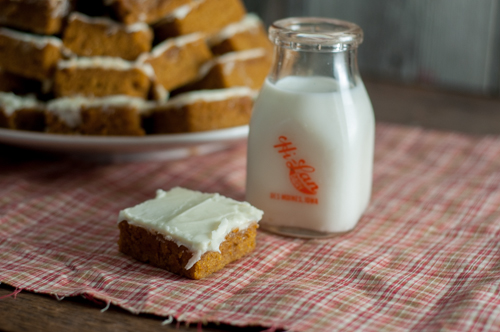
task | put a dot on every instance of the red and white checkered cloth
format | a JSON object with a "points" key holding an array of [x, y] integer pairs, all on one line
{"points": [[425, 256]]}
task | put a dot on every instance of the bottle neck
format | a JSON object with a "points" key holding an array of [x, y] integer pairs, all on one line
{"points": [[342, 67]]}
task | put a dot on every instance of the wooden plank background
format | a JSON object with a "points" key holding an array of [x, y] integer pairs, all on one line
{"points": [[448, 44]]}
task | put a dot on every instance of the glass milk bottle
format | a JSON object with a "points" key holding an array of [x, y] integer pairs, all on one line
{"points": [[310, 147]]}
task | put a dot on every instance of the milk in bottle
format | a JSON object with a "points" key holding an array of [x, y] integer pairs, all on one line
{"points": [[310, 147]]}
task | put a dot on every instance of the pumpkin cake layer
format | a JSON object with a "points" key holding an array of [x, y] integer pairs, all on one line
{"points": [[243, 35], [244, 68], [102, 76], [101, 36], [177, 61], [19, 85], [40, 16], [203, 110], [148, 11], [153, 248], [114, 115], [187, 232], [29, 55], [206, 16]]}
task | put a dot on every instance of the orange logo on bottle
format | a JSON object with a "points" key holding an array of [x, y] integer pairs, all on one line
{"points": [[299, 170]]}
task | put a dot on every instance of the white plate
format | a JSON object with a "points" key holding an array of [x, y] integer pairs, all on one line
{"points": [[127, 148]]}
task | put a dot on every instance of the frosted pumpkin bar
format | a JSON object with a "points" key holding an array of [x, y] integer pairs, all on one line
{"points": [[243, 35], [20, 85], [203, 110], [101, 36], [149, 11], [206, 16], [177, 61], [39, 16], [21, 112], [113, 115], [29, 55], [243, 68], [102, 76], [187, 232]]}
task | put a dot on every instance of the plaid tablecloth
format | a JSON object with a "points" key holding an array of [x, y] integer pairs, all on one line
{"points": [[425, 255]]}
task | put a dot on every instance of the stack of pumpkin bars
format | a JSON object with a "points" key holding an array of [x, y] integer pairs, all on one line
{"points": [[129, 67]]}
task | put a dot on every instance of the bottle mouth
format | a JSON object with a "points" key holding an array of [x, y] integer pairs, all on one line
{"points": [[315, 34]]}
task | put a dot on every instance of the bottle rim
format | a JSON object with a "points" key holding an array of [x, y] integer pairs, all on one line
{"points": [[315, 34]]}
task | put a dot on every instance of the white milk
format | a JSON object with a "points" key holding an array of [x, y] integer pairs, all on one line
{"points": [[310, 154]]}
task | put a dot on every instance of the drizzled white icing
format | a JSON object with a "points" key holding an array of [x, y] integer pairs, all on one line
{"points": [[198, 221], [10, 102], [228, 59], [174, 42], [39, 41], [60, 8], [210, 95], [250, 21], [181, 12], [106, 62], [241, 55], [160, 93], [148, 69], [113, 26], [68, 108]]}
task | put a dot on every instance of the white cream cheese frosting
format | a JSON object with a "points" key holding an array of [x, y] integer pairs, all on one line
{"points": [[181, 12], [105, 62], [175, 42], [249, 22], [10, 102], [210, 95], [227, 60], [160, 94], [199, 221], [68, 108], [39, 41], [60, 8]]}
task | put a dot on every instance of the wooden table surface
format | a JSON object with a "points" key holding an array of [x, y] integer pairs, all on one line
{"points": [[392, 103]]}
